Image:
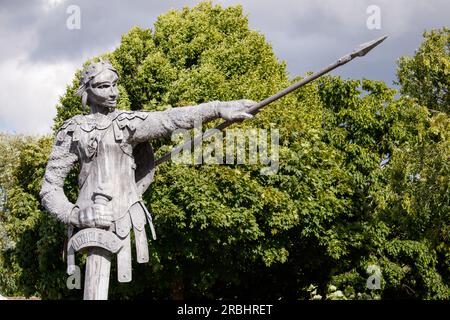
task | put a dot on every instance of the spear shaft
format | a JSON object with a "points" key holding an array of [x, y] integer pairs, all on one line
{"points": [[361, 51]]}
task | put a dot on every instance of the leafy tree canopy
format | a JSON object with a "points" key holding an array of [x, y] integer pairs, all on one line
{"points": [[362, 180], [426, 75]]}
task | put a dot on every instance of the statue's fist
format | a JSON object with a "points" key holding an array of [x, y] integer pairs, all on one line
{"points": [[96, 216], [236, 110]]}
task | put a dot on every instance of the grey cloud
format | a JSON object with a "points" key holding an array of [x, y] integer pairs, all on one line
{"points": [[309, 34], [102, 24]]}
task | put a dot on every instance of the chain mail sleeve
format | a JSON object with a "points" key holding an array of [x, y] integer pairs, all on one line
{"points": [[61, 161], [161, 124]]}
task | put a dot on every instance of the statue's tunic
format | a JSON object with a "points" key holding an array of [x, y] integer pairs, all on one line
{"points": [[103, 145]]}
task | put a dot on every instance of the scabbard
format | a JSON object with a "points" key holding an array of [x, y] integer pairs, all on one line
{"points": [[70, 253]]}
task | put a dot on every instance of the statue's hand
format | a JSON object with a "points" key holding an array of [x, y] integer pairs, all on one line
{"points": [[236, 110], [96, 216]]}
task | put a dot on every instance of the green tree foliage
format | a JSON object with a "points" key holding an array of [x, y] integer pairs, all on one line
{"points": [[10, 147], [31, 263], [426, 75], [362, 180]]}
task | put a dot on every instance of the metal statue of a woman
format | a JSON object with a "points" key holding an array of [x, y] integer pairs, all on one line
{"points": [[117, 165]]}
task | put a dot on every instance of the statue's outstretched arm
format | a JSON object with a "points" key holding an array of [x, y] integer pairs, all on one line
{"points": [[60, 162], [161, 124]]}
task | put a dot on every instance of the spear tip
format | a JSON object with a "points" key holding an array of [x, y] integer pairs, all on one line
{"points": [[364, 48]]}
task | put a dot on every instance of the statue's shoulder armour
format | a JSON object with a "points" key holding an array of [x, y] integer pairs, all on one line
{"points": [[83, 123], [69, 126], [130, 119], [127, 119]]}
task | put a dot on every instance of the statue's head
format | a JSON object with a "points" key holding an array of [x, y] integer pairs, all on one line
{"points": [[98, 85]]}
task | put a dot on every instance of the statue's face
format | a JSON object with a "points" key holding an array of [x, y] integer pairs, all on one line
{"points": [[103, 89]]}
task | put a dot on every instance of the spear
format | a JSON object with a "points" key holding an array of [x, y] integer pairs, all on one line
{"points": [[360, 51]]}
